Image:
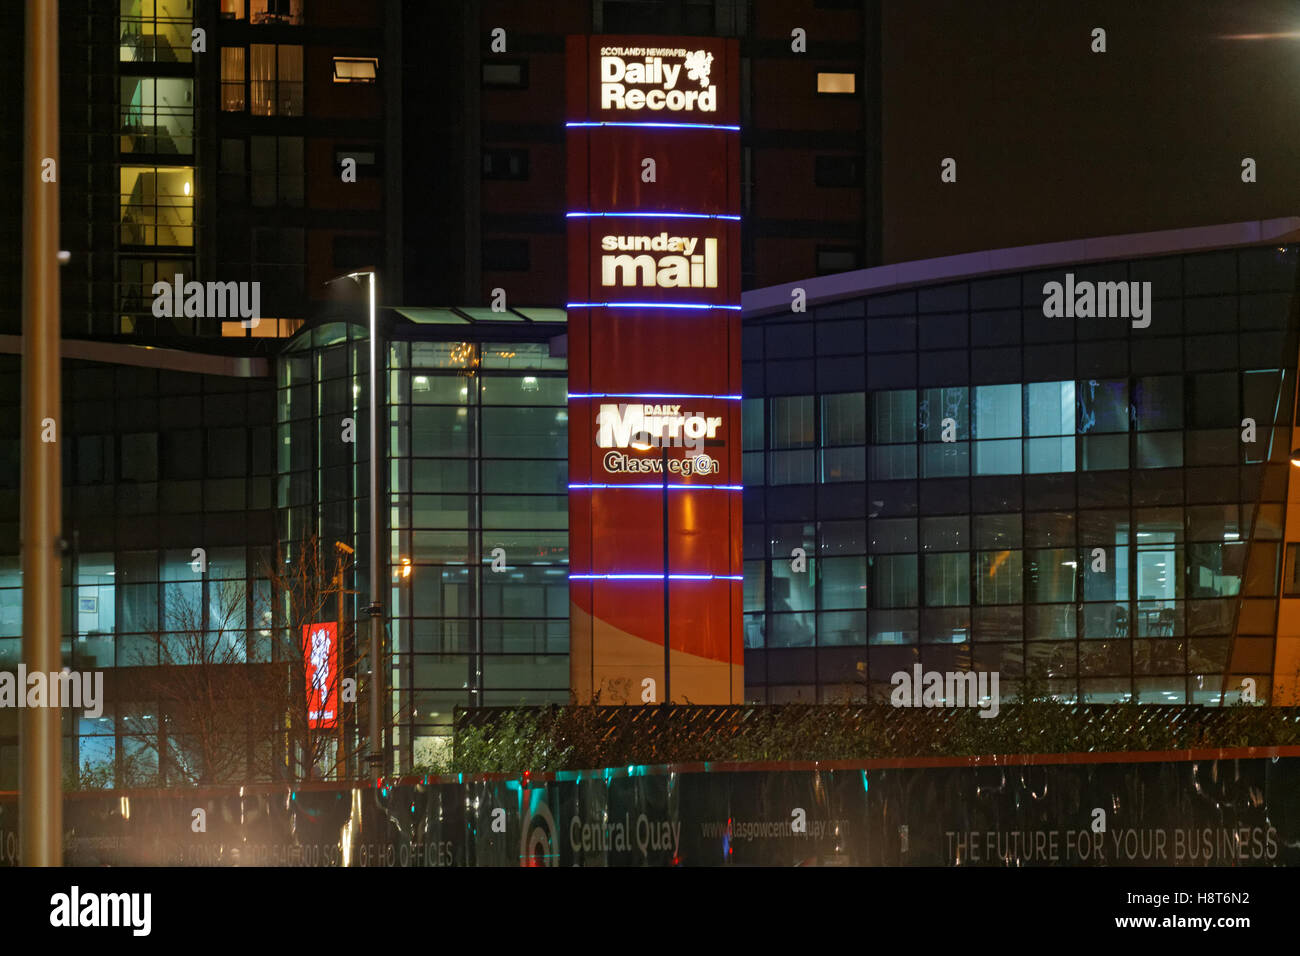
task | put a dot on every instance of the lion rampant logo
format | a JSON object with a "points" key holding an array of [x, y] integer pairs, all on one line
{"points": [[698, 65]]}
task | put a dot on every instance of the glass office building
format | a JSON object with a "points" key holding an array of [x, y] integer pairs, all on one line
{"points": [[157, 462], [972, 485], [476, 483], [979, 486]]}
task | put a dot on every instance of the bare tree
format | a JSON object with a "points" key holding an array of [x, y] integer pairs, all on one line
{"points": [[206, 706], [309, 588], [232, 686]]}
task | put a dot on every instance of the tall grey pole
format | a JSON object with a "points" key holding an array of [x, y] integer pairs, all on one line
{"points": [[40, 800], [376, 607]]}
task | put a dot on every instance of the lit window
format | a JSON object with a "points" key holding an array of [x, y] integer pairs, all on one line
{"points": [[148, 33], [232, 78], [265, 328], [275, 11], [156, 115], [275, 80], [157, 205], [1291, 572], [355, 69], [836, 83]]}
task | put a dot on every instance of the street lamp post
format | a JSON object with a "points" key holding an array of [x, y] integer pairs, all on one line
{"points": [[376, 608], [40, 805]]}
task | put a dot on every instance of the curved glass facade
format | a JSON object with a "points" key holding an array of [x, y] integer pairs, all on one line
{"points": [[322, 484], [979, 486]]}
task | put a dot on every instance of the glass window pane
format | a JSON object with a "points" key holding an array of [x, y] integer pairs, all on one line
{"points": [[945, 625], [842, 537], [998, 531], [1050, 621], [1160, 450], [892, 535], [793, 590], [841, 628], [894, 417], [1214, 570], [525, 511], [945, 534], [893, 580], [524, 390], [1000, 579], [752, 423], [524, 477], [945, 459], [784, 538], [892, 461], [843, 582], [790, 630], [523, 433], [792, 467], [289, 80], [755, 585], [261, 73], [844, 420], [443, 474], [1049, 455], [440, 511], [1158, 402], [944, 414], [1291, 572], [1103, 406], [1051, 408], [947, 579], [1006, 623], [844, 464], [232, 78], [1104, 452], [1160, 618], [1214, 400], [1050, 575], [997, 411], [998, 457], [1214, 523], [892, 627], [792, 422]]}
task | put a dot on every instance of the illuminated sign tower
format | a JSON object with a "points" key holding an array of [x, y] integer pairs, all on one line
{"points": [[655, 580]]}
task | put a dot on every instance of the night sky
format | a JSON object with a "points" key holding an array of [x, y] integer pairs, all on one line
{"points": [[1054, 142]]}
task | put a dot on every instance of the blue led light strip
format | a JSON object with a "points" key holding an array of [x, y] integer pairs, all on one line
{"points": [[660, 487], [647, 305], [733, 129], [656, 577], [650, 215], [729, 398]]}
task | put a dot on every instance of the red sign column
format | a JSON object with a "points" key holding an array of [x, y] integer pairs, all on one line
{"points": [[654, 370]]}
